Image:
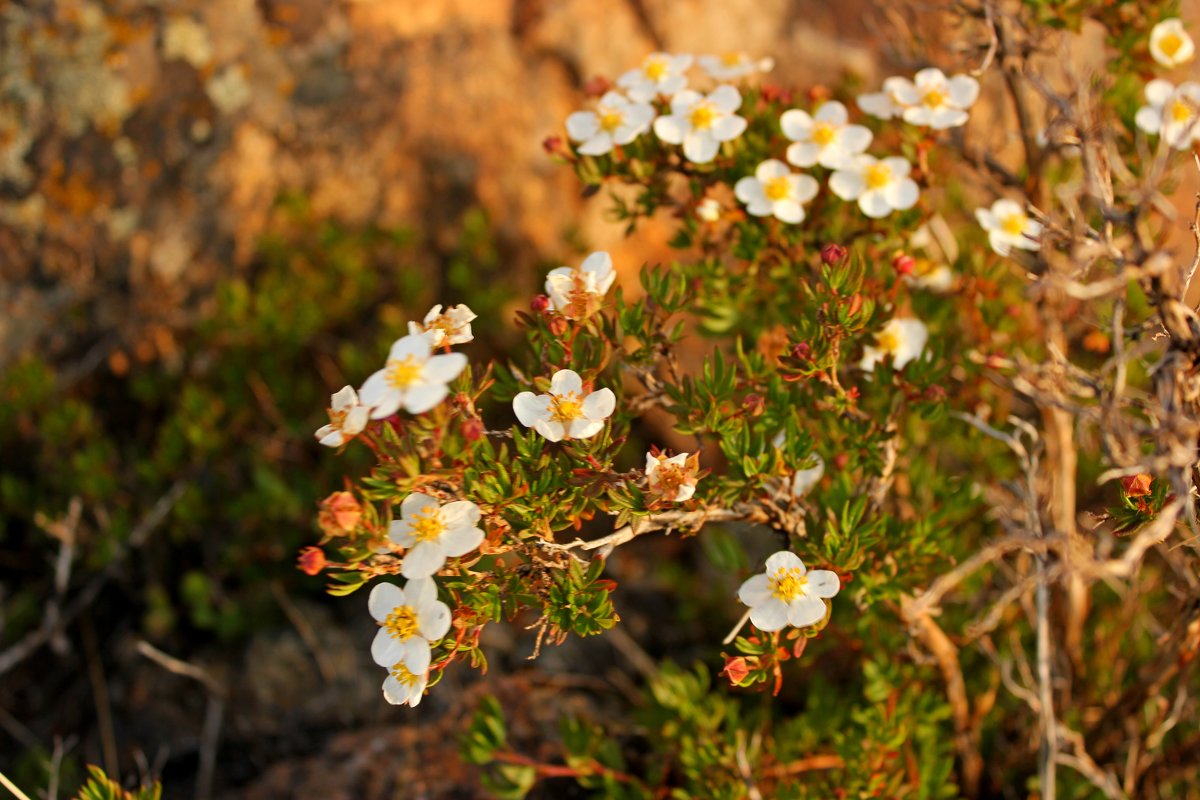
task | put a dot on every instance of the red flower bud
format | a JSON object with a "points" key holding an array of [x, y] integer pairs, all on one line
{"points": [[801, 350], [473, 429], [553, 145], [735, 669], [833, 254], [1137, 485], [597, 86], [841, 460], [539, 303], [340, 513], [904, 264], [311, 560]]}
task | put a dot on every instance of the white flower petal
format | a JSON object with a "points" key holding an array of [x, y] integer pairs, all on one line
{"points": [[806, 610], [383, 598], [599, 405], [755, 590], [530, 408], [772, 615], [460, 541], [422, 397], [461, 514], [423, 560], [824, 583], [386, 649], [784, 559], [566, 381], [434, 621]]}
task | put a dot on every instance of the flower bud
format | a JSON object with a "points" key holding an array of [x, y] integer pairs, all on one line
{"points": [[340, 513], [597, 86], [311, 560], [841, 460], [558, 325], [1137, 485], [539, 303], [473, 429], [553, 145], [736, 669], [904, 264], [833, 254], [801, 351], [754, 405]]}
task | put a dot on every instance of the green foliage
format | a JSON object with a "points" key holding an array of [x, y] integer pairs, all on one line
{"points": [[100, 787]]}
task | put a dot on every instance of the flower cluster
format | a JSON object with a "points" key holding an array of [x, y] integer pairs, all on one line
{"points": [[930, 99], [1171, 112], [413, 379]]}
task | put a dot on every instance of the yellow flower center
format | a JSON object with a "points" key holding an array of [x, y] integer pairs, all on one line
{"points": [[406, 677], [610, 120], [777, 189], [403, 372], [702, 117], [787, 584], [427, 524], [401, 623], [823, 133], [878, 175], [566, 407], [338, 418], [655, 69], [1170, 44], [936, 97], [1013, 224], [732, 59], [1180, 111], [888, 341]]}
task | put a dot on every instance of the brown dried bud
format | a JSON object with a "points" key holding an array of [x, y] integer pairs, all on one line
{"points": [[754, 404], [833, 254]]}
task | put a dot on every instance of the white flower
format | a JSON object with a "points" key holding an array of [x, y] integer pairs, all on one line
{"points": [[659, 73], [902, 339], [452, 327], [406, 680], [879, 185], [410, 619], [432, 533], [1008, 226], [566, 412], [701, 122], [673, 479], [1170, 44], [413, 378], [347, 418], [788, 594], [1173, 112], [776, 191], [709, 209], [929, 276], [615, 121], [576, 292], [733, 65], [823, 138], [886, 104], [936, 101]]}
